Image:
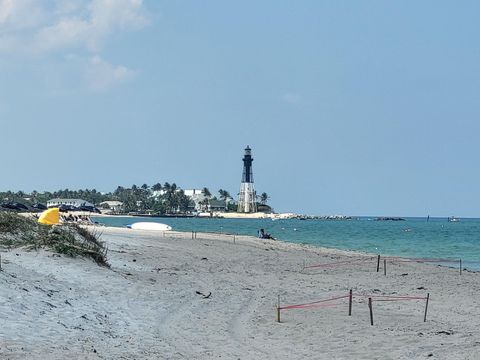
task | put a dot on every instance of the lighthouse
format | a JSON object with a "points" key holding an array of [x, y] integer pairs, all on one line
{"points": [[246, 199]]}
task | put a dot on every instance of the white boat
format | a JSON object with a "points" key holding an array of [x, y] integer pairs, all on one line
{"points": [[453, 219], [150, 226]]}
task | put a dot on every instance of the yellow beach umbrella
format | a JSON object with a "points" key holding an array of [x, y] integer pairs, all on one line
{"points": [[50, 217]]}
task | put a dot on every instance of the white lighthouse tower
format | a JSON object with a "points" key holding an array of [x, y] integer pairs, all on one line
{"points": [[246, 199]]}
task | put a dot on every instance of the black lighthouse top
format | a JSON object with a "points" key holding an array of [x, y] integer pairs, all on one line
{"points": [[247, 166]]}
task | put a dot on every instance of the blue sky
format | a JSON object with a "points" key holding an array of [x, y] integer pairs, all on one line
{"points": [[350, 107]]}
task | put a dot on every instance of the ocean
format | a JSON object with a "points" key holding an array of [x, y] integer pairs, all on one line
{"points": [[414, 237]]}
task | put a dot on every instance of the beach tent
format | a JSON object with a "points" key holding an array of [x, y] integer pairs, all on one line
{"points": [[50, 217]]}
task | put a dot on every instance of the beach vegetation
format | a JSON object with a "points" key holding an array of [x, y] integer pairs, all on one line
{"points": [[157, 187], [11, 223], [68, 239], [205, 203], [264, 208], [264, 198], [225, 196], [158, 199], [206, 192]]}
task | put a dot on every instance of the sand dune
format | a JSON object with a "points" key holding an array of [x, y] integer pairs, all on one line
{"points": [[173, 297]]}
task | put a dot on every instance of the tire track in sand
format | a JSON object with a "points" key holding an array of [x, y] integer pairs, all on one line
{"points": [[239, 329]]}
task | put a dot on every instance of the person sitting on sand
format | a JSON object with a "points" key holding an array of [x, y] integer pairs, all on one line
{"points": [[263, 235], [268, 236]]}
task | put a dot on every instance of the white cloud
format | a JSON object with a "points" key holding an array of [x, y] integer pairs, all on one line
{"points": [[25, 24], [18, 20], [108, 14], [292, 98], [101, 75], [75, 31], [64, 7], [20, 14], [65, 33]]}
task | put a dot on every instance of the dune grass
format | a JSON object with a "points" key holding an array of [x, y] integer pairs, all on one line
{"points": [[69, 239]]}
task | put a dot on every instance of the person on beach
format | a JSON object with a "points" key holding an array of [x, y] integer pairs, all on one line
{"points": [[263, 235]]}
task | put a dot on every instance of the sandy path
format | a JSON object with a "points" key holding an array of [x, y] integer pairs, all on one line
{"points": [[147, 305]]}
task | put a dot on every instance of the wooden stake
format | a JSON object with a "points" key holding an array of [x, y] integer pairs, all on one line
{"points": [[350, 298], [378, 263], [278, 309], [234, 236], [192, 235], [371, 310], [385, 267], [460, 266], [426, 308]]}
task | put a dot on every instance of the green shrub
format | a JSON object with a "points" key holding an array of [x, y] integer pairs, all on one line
{"points": [[68, 239], [11, 223]]}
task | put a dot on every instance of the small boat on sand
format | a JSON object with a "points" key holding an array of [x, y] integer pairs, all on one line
{"points": [[150, 226]]}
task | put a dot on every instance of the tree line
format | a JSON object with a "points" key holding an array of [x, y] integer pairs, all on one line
{"points": [[157, 199]]}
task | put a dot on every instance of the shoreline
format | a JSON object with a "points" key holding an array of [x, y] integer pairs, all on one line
{"points": [[214, 214], [219, 236], [465, 263]]}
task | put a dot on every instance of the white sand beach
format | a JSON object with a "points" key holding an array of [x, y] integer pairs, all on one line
{"points": [[174, 297]]}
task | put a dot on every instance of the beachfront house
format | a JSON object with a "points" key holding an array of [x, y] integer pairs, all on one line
{"points": [[198, 201], [198, 198], [71, 202], [216, 205], [112, 205]]}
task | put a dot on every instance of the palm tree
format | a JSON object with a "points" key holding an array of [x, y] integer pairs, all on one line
{"points": [[206, 192], [264, 198], [224, 195], [134, 188], [166, 187], [20, 194], [169, 197], [34, 196], [119, 191], [207, 195], [182, 200], [157, 187], [204, 204]]}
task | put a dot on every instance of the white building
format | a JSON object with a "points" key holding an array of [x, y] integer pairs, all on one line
{"points": [[72, 202], [196, 195], [112, 205]]}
